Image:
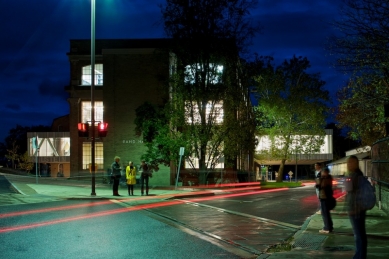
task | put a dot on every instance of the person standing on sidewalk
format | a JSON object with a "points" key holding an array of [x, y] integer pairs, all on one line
{"points": [[131, 177], [356, 214], [116, 175], [325, 196], [144, 177], [317, 180]]}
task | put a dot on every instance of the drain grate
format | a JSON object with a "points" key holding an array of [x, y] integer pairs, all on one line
{"points": [[338, 248], [309, 241]]}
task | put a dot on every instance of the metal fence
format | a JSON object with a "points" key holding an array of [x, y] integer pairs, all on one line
{"points": [[380, 171]]}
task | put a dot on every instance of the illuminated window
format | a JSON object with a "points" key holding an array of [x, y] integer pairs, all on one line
{"points": [[86, 111], [193, 162], [214, 112], [50, 146], [87, 75], [194, 72], [87, 157]]}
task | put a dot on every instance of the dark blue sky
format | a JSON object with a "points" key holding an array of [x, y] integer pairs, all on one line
{"points": [[35, 38]]}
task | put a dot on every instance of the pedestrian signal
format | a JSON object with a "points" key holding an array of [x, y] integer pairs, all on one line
{"points": [[83, 130], [102, 129]]}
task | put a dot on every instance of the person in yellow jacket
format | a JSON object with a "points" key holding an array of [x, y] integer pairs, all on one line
{"points": [[131, 177]]}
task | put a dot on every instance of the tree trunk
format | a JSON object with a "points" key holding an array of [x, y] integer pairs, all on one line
{"points": [[280, 171], [202, 166]]}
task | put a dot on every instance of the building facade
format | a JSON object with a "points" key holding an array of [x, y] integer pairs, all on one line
{"points": [[127, 74]]}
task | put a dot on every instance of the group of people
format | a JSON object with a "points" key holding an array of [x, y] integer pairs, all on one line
{"points": [[356, 215], [131, 173]]}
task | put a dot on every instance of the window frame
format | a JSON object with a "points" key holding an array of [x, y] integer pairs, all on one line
{"points": [[86, 74]]}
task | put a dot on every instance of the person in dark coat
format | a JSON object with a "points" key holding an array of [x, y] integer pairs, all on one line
{"points": [[356, 214], [116, 175], [144, 177], [325, 196]]}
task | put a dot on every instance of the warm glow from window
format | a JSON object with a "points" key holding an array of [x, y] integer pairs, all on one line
{"points": [[87, 75], [265, 144], [193, 162], [86, 112], [193, 73], [214, 112], [87, 157]]}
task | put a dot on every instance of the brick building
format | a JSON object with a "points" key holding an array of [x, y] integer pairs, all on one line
{"points": [[128, 73]]}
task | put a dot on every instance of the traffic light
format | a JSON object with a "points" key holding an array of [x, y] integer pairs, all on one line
{"points": [[102, 129], [83, 130]]}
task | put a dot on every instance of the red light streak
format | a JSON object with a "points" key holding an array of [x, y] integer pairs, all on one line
{"points": [[110, 212], [237, 194], [20, 213], [91, 215], [213, 186]]}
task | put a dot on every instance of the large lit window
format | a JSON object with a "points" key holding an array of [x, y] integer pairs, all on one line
{"points": [[213, 111], [194, 72], [86, 114], [87, 75], [49, 146], [87, 156], [193, 162]]}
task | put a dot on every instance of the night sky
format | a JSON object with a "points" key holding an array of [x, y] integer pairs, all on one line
{"points": [[35, 35]]}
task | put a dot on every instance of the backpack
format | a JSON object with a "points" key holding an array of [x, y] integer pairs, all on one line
{"points": [[366, 198]]}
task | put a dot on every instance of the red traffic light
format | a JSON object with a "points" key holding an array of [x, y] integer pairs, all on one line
{"points": [[83, 130], [102, 129]]}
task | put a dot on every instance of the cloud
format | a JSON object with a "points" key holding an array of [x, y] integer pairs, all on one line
{"points": [[13, 106], [52, 88]]}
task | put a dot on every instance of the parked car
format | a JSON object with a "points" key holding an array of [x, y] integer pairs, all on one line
{"points": [[338, 182]]}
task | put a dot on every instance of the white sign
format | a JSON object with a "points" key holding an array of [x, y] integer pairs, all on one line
{"points": [[290, 173]]}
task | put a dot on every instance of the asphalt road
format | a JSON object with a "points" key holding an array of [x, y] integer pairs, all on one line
{"points": [[80, 229], [291, 206], [5, 186], [253, 221], [236, 225]]}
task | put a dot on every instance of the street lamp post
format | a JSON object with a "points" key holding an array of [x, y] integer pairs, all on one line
{"points": [[93, 168]]}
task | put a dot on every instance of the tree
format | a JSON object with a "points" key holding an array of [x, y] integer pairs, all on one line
{"points": [[292, 108], [361, 109], [162, 143], [208, 36], [25, 163], [15, 143], [12, 154], [362, 49], [341, 143], [362, 42], [19, 136]]}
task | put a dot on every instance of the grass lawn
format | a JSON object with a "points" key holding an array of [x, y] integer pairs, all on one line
{"points": [[271, 185]]}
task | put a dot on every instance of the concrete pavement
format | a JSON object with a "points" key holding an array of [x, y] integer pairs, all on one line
{"points": [[309, 243], [306, 243]]}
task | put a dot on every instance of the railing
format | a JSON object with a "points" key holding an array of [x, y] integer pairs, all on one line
{"points": [[380, 170]]}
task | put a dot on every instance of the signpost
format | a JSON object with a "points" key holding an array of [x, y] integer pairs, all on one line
{"points": [[35, 145], [290, 175], [181, 153]]}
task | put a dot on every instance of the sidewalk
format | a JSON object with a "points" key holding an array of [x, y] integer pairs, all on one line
{"points": [[309, 243], [63, 188]]}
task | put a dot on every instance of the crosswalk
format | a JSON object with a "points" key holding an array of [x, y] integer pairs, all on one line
{"points": [[18, 199]]}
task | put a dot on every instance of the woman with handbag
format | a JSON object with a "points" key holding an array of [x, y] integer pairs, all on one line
{"points": [[326, 200], [131, 177]]}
